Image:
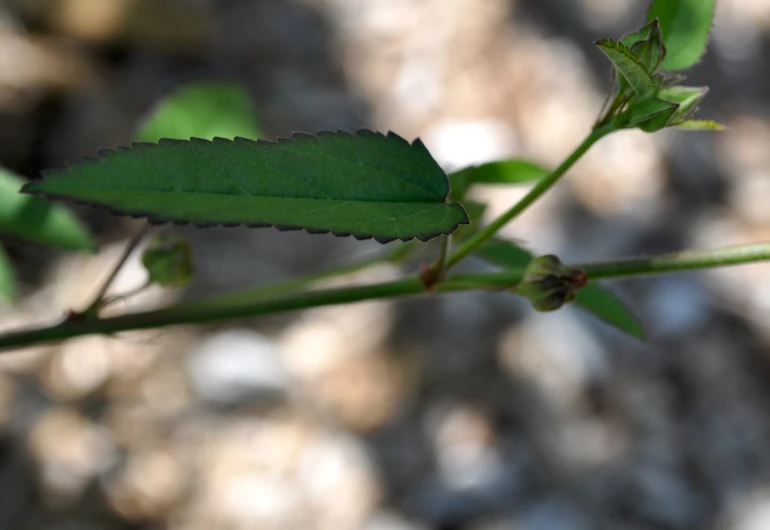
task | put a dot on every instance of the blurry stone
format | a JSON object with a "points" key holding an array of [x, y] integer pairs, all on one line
{"points": [[337, 358], [467, 459], [748, 512], [148, 485], [280, 472], [32, 67], [362, 392], [387, 520], [586, 443], [622, 170], [750, 196], [7, 398], [79, 368], [556, 514], [459, 144], [69, 452], [237, 366], [664, 497], [556, 353], [166, 26], [679, 305]]}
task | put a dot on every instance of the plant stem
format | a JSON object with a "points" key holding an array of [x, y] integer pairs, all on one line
{"points": [[223, 309], [95, 305], [435, 273], [237, 306], [679, 261], [480, 237]]}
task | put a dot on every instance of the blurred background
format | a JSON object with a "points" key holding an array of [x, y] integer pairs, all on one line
{"points": [[462, 412]]}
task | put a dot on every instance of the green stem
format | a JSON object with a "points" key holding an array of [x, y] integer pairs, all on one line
{"points": [[436, 272], [93, 308], [223, 309], [231, 307], [679, 261], [480, 237]]}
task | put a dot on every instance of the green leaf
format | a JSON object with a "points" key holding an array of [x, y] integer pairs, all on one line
{"points": [[505, 254], [651, 114], [7, 277], [367, 185], [605, 305], [168, 260], [515, 171], [631, 68], [37, 220], [592, 298], [700, 125], [685, 25], [647, 45], [202, 110], [687, 98]]}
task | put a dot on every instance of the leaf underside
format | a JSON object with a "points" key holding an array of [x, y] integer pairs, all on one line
{"points": [[368, 185]]}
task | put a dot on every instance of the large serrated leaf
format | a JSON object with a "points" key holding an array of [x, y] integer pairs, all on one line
{"points": [[7, 277], [367, 184], [514, 171], [633, 71], [207, 109], [592, 298], [685, 25], [37, 220]]}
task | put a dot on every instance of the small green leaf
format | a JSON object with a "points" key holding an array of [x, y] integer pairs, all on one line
{"points": [[631, 68], [505, 254], [367, 185], [592, 298], [651, 115], [687, 98], [700, 125], [647, 45], [685, 25], [202, 110], [515, 171], [7, 277], [605, 305], [168, 260], [37, 220]]}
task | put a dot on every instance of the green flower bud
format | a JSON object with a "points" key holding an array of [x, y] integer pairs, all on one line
{"points": [[549, 284], [168, 261]]}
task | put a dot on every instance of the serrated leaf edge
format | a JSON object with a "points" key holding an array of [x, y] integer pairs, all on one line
{"points": [[298, 136], [626, 51]]}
